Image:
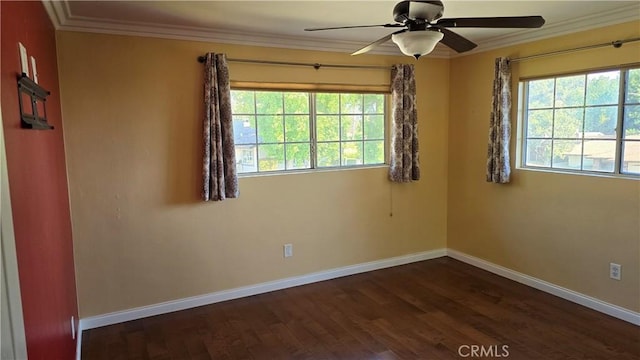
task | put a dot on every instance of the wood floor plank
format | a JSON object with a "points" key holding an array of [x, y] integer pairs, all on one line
{"points": [[424, 310]]}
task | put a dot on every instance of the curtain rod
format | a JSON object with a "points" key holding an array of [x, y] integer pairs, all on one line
{"points": [[316, 66], [616, 44]]}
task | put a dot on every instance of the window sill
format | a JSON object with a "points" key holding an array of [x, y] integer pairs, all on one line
{"points": [[580, 173], [311, 171]]}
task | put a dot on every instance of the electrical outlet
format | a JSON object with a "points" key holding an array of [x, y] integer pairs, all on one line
{"points": [[288, 250], [615, 271]]}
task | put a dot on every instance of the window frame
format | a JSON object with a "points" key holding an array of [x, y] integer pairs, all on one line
{"points": [[313, 138], [522, 123]]}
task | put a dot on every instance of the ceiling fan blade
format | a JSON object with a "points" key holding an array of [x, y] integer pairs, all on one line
{"points": [[494, 22], [376, 43], [456, 42], [353, 27]]}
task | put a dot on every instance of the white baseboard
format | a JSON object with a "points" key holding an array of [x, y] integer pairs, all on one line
{"points": [[573, 296], [195, 301]]}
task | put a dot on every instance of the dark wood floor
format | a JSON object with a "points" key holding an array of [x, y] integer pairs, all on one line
{"points": [[425, 310]]}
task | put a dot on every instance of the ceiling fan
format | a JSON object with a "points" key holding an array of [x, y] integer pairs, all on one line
{"points": [[423, 27]]}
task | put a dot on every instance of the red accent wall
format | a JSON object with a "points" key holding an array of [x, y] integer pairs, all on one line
{"points": [[38, 186]]}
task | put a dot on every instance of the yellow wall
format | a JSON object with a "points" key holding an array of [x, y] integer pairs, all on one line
{"points": [[564, 229], [132, 110]]}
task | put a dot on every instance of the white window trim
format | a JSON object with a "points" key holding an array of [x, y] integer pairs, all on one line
{"points": [[313, 140], [521, 130]]}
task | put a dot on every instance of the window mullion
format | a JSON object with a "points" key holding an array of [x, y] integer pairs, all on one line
{"points": [[553, 120], [340, 130], [312, 130], [362, 127], [525, 115], [584, 120], [255, 117], [620, 123], [284, 133]]}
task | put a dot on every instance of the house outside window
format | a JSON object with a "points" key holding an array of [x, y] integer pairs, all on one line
{"points": [[587, 123], [277, 131]]}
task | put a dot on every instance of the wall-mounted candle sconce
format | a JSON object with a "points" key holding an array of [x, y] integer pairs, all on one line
{"points": [[32, 98]]}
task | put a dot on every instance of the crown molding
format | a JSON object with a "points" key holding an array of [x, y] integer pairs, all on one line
{"points": [[62, 19], [226, 37], [58, 12], [230, 37], [616, 16]]}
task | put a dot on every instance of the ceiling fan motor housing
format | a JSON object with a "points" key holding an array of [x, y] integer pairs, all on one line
{"points": [[412, 10]]}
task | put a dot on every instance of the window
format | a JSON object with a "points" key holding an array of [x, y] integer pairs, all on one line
{"points": [[586, 123], [280, 131]]}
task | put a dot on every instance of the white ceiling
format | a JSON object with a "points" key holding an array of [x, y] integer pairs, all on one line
{"points": [[281, 23]]}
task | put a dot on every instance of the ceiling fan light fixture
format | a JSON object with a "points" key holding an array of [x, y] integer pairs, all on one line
{"points": [[417, 43]]}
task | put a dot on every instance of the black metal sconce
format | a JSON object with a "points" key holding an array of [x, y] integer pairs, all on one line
{"points": [[36, 95]]}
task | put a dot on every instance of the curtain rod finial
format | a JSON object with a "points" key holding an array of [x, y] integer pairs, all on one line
{"points": [[202, 59], [617, 44]]}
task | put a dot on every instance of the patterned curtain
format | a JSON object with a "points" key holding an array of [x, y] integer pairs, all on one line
{"points": [[219, 162], [405, 164], [498, 167]]}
